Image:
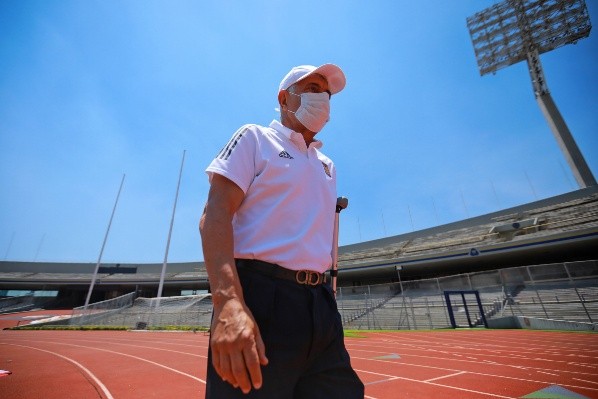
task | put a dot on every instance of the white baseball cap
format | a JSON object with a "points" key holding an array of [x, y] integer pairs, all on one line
{"points": [[333, 74]]}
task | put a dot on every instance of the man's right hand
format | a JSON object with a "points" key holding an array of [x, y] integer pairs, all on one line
{"points": [[238, 351]]}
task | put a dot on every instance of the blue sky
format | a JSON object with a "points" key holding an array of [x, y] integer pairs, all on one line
{"points": [[92, 90]]}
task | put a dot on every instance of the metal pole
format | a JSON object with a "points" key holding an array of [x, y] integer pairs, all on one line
{"points": [[557, 124], [466, 310], [95, 273], [413, 313], [176, 197], [428, 312], [398, 269], [341, 203], [39, 247], [9, 244]]}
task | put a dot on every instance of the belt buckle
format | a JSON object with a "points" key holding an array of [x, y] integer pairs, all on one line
{"points": [[308, 277]]}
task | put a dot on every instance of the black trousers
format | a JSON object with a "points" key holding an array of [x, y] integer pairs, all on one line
{"points": [[301, 328]]}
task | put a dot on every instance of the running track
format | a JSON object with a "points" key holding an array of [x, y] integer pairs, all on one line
{"points": [[459, 364]]}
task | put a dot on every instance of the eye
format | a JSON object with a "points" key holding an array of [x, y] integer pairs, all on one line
{"points": [[314, 87]]}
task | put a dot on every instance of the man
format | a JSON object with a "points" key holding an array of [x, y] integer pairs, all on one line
{"points": [[267, 233]]}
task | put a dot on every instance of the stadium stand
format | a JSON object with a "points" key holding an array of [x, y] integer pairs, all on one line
{"points": [[572, 215], [511, 291], [16, 304], [537, 259], [140, 313]]}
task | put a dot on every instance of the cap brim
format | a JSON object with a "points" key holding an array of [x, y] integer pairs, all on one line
{"points": [[334, 76]]}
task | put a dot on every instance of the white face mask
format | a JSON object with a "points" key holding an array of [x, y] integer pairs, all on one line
{"points": [[314, 110]]}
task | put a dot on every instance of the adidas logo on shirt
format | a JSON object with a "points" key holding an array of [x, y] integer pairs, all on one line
{"points": [[284, 154]]}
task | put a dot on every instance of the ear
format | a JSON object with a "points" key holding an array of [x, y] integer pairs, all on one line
{"points": [[282, 99]]}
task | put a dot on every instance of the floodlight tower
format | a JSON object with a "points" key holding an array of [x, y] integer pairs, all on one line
{"points": [[517, 30]]}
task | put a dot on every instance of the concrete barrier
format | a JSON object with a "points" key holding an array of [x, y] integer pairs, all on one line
{"points": [[531, 323]]}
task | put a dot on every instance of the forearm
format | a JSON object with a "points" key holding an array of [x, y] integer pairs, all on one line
{"points": [[217, 242]]}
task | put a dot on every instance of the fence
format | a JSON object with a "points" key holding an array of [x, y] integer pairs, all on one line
{"points": [[96, 313], [128, 311], [16, 304], [561, 291]]}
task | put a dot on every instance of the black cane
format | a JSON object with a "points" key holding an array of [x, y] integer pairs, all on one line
{"points": [[341, 203]]}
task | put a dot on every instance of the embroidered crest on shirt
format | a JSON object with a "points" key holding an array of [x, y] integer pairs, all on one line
{"points": [[284, 154], [326, 169]]}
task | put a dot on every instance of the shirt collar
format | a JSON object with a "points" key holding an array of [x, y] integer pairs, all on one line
{"points": [[293, 135]]}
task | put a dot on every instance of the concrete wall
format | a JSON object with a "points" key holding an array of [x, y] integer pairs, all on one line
{"points": [[523, 322]]}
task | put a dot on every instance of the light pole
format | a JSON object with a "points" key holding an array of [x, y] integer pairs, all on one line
{"points": [[517, 30]]}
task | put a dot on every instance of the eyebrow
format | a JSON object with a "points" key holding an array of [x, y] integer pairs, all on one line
{"points": [[318, 85]]}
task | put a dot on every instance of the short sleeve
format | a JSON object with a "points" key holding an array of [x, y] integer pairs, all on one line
{"points": [[236, 160]]}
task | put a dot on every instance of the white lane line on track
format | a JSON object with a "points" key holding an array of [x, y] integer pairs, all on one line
{"points": [[394, 377], [403, 363], [380, 381], [406, 355], [484, 341], [126, 342], [131, 356], [482, 347], [68, 359], [104, 342], [445, 376], [146, 341], [487, 351], [141, 346], [546, 372]]}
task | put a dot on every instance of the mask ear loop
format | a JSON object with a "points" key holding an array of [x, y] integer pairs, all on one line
{"points": [[290, 92]]}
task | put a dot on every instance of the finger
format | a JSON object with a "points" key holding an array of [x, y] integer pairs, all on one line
{"points": [[225, 370], [261, 349], [239, 371], [253, 366], [216, 361]]}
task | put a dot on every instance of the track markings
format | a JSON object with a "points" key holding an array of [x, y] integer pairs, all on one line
{"points": [[471, 372], [137, 358], [445, 376], [141, 346], [391, 356], [126, 355], [589, 382], [77, 364], [394, 377], [422, 364]]}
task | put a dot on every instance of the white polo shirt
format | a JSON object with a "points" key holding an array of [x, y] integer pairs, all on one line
{"points": [[287, 216]]}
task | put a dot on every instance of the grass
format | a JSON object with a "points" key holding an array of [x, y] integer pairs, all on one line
{"points": [[108, 328]]}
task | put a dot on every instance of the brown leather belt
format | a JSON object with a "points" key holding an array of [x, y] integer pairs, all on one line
{"points": [[302, 277]]}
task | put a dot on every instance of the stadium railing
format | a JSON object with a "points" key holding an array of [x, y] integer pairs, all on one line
{"points": [[141, 313], [561, 291]]}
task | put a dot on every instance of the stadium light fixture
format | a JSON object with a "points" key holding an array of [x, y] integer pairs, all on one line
{"points": [[517, 30]]}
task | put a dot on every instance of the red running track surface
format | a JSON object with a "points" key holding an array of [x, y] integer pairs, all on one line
{"points": [[459, 364]]}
